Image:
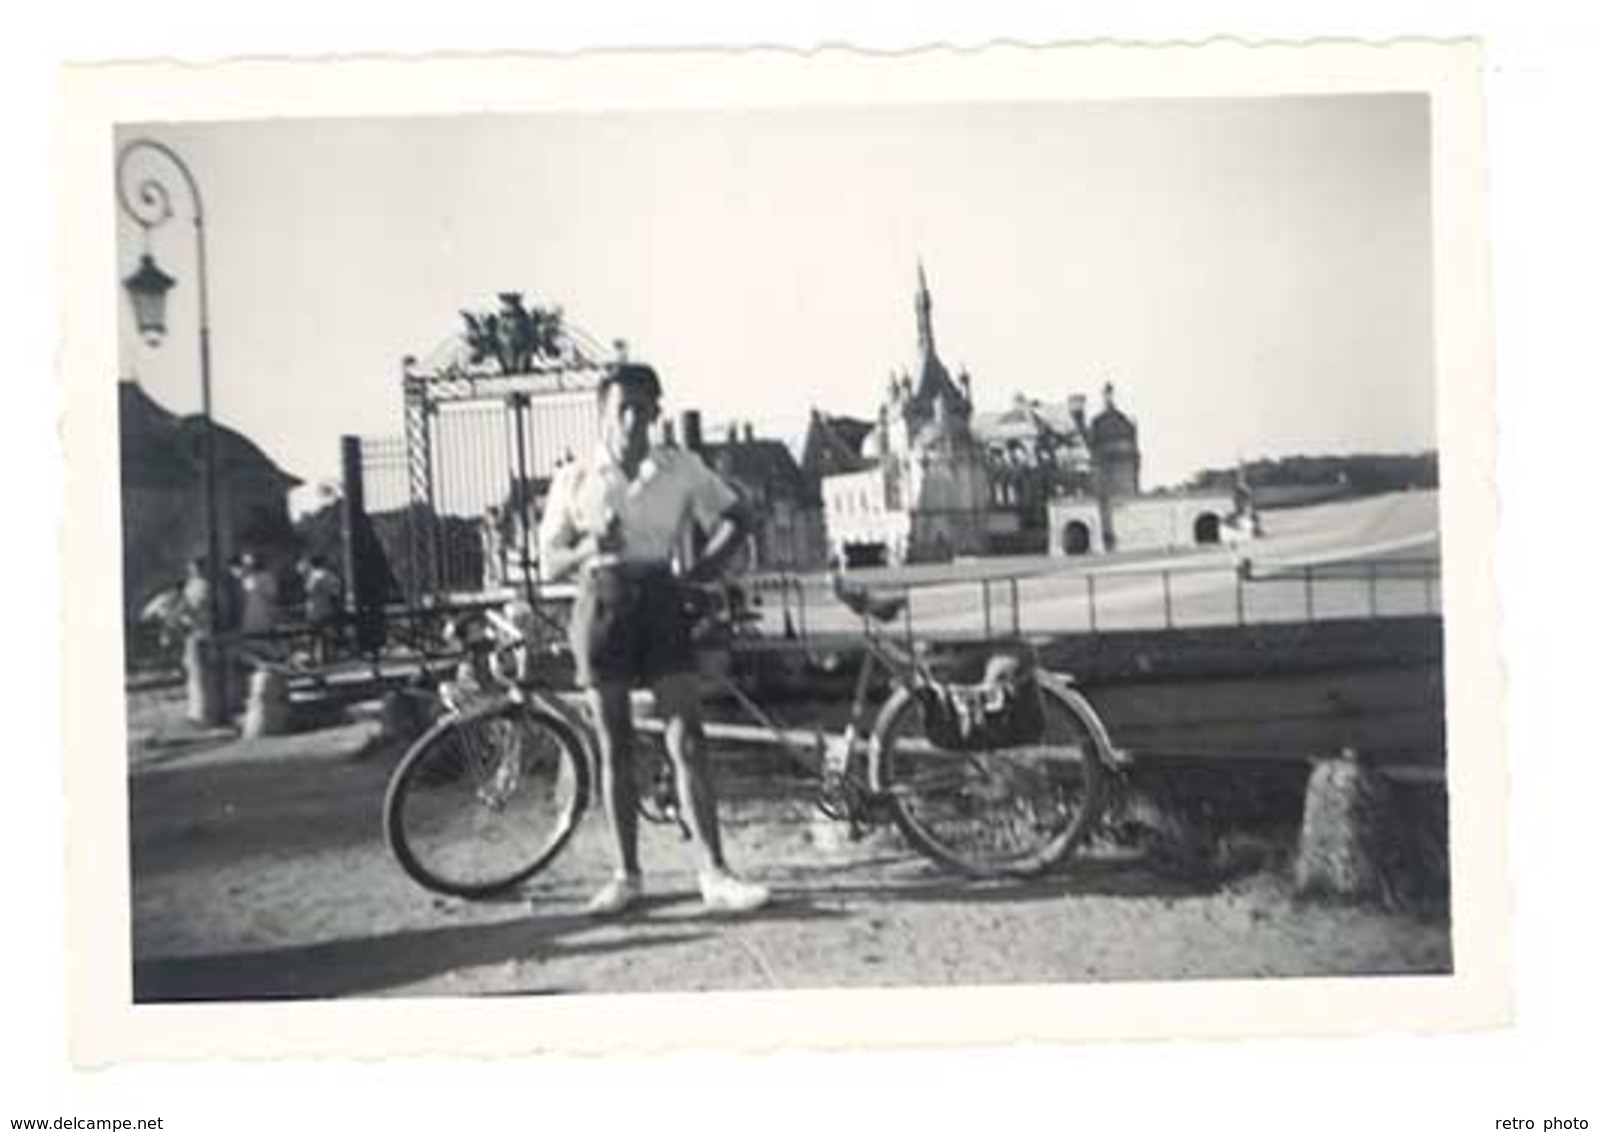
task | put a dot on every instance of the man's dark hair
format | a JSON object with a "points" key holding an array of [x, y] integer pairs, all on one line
{"points": [[630, 376]]}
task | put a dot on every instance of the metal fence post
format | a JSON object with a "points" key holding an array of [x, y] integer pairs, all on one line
{"points": [[364, 581], [1165, 588], [521, 409], [1015, 608], [1093, 606], [1238, 596], [352, 507], [988, 613]]}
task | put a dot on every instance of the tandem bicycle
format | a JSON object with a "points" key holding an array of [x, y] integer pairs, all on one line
{"points": [[1002, 777]]}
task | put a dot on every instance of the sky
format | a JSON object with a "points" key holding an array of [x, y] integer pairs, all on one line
{"points": [[1252, 274]]}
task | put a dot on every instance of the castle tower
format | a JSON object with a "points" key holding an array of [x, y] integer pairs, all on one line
{"points": [[1113, 440], [1113, 445], [924, 316], [933, 382]]}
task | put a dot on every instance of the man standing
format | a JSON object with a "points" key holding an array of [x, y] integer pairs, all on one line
{"points": [[616, 520]]}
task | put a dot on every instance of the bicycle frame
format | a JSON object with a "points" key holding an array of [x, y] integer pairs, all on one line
{"points": [[857, 772], [845, 792], [839, 761]]}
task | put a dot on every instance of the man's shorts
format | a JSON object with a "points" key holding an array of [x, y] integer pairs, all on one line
{"points": [[628, 627]]}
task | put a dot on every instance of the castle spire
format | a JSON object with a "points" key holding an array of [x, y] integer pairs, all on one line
{"points": [[924, 312]]}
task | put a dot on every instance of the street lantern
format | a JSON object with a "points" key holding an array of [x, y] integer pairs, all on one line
{"points": [[147, 288], [148, 204]]}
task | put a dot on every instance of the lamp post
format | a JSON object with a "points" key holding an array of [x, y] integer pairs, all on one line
{"points": [[148, 202]]}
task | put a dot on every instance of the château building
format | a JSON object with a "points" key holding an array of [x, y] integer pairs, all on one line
{"points": [[931, 478], [919, 489]]}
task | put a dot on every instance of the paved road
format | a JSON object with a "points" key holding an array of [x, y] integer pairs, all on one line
{"points": [[259, 872]]}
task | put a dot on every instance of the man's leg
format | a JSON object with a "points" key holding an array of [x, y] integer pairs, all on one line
{"points": [[613, 717], [678, 700]]}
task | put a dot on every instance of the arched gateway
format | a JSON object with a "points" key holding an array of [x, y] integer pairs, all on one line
{"points": [[489, 414], [1207, 528]]}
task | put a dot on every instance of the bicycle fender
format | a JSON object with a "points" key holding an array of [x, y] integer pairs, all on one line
{"points": [[1065, 685]]}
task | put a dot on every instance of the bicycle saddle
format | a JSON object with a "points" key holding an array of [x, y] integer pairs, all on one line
{"points": [[860, 601]]}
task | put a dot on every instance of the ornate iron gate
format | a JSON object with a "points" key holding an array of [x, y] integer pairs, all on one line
{"points": [[489, 415]]}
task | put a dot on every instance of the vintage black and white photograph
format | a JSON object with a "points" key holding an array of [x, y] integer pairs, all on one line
{"points": [[836, 546]]}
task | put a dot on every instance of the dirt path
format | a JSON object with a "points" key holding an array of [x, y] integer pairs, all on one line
{"points": [[259, 871]]}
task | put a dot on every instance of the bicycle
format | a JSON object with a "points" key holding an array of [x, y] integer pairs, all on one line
{"points": [[1001, 778]]}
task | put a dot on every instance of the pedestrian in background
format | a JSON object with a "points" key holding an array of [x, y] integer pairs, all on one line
{"points": [[260, 596], [324, 606]]}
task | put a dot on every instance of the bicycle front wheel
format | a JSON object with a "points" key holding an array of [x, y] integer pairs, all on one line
{"points": [[998, 811], [486, 799]]}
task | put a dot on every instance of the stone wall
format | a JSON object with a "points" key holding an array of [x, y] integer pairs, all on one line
{"points": [[1167, 522], [1071, 520]]}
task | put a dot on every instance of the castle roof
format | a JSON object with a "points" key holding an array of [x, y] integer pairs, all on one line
{"points": [[765, 466], [1110, 425], [1026, 419], [833, 444], [933, 383]]}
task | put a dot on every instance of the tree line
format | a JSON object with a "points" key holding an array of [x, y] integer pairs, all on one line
{"points": [[1358, 474]]}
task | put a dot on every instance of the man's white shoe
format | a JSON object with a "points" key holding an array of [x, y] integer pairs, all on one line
{"points": [[724, 892], [620, 893]]}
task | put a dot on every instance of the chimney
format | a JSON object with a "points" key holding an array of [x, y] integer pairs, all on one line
{"points": [[690, 427], [749, 432], [966, 386], [668, 434]]}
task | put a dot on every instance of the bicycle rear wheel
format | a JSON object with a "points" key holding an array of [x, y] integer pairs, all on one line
{"points": [[1006, 811], [486, 798]]}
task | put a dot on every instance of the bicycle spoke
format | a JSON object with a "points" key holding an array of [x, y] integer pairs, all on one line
{"points": [[1001, 809], [489, 798]]}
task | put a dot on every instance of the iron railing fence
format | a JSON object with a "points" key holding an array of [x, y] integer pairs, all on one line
{"points": [[1116, 598]]}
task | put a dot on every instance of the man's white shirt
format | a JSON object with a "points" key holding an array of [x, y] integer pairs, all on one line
{"points": [[673, 486]]}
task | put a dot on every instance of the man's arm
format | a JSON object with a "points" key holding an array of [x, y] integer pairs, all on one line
{"points": [[562, 547], [726, 536], [722, 513], [563, 559]]}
